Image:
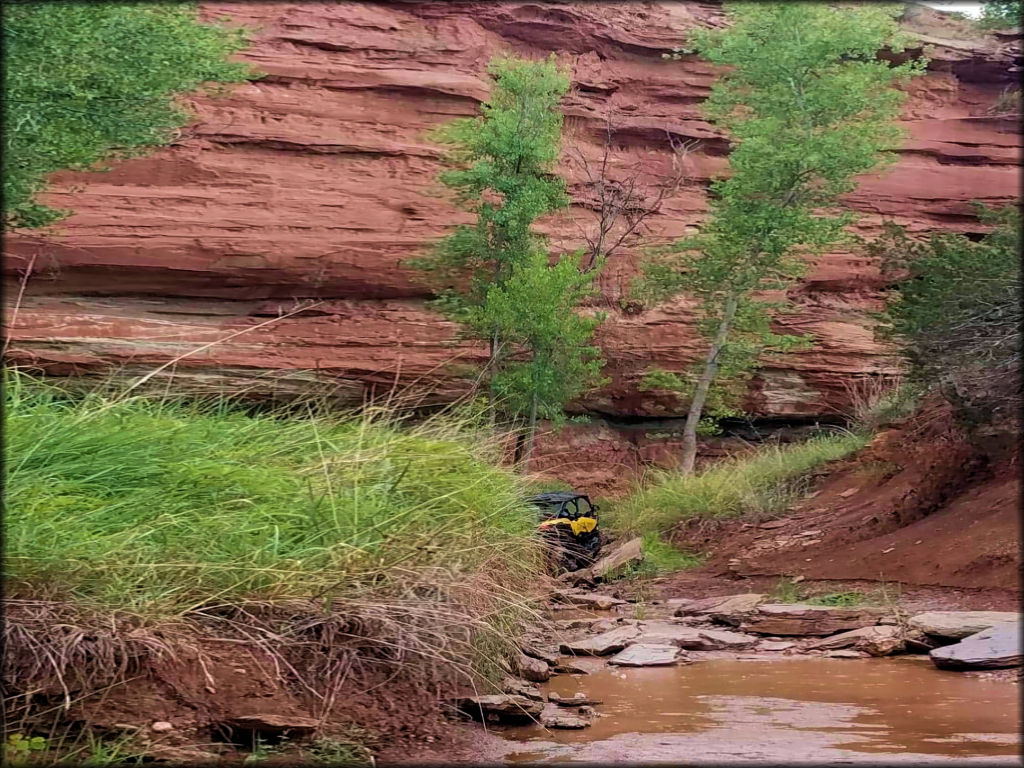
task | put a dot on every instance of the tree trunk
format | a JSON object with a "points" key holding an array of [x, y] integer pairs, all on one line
{"points": [[700, 394], [493, 364], [531, 432]]}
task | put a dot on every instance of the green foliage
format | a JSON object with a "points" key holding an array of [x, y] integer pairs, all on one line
{"points": [[765, 483], [1000, 14], [663, 557], [839, 599], [808, 106], [90, 82], [536, 310], [956, 309], [659, 557], [157, 506], [788, 590], [349, 749], [493, 275], [19, 748], [503, 165], [729, 389]]}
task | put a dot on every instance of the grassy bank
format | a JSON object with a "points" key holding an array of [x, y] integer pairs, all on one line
{"points": [[386, 545], [759, 485]]}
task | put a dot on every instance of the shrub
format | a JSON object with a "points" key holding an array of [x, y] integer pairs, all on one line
{"points": [[955, 309], [86, 82], [765, 483]]}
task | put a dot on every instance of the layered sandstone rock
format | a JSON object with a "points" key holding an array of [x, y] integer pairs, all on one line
{"points": [[313, 184]]}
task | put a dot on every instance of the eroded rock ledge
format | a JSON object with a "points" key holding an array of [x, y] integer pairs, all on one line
{"points": [[317, 181]]}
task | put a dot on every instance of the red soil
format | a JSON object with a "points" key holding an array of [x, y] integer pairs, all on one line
{"points": [[921, 505]]}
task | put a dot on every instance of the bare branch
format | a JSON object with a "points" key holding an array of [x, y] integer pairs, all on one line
{"points": [[623, 207]]}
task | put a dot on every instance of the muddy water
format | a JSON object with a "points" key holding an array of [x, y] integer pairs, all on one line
{"points": [[812, 709]]}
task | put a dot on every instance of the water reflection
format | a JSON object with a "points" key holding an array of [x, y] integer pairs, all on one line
{"points": [[788, 708]]}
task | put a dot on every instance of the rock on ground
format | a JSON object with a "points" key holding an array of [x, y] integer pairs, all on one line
{"points": [[600, 602], [790, 619], [554, 716], [775, 645], [578, 699], [956, 625], [647, 655], [500, 705], [534, 670], [993, 648], [626, 552], [877, 641], [545, 653], [568, 624], [727, 604], [601, 645], [691, 638], [521, 688], [270, 722]]}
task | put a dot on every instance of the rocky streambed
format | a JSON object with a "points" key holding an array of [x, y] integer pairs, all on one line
{"points": [[737, 677]]}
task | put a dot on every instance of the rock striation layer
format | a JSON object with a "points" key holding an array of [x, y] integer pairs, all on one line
{"points": [[311, 186]]}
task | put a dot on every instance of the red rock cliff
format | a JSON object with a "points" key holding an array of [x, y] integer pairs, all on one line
{"points": [[317, 181]]}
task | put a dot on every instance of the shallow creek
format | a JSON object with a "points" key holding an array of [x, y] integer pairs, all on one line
{"points": [[807, 709]]}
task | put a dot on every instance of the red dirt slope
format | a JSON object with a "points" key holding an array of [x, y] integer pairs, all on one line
{"points": [[920, 505]]}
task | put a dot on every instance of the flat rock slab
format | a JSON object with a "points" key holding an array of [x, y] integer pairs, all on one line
{"points": [[798, 619], [567, 624], [692, 638], [545, 653], [507, 706], [554, 716], [586, 600], [775, 645], [956, 625], [729, 604], [643, 655], [877, 641], [601, 645], [578, 699], [993, 648], [272, 722], [521, 688]]}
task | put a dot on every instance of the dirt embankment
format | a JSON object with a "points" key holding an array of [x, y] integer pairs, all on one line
{"points": [[924, 504]]}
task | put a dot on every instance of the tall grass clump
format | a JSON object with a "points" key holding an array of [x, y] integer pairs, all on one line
{"points": [[759, 485], [366, 534]]}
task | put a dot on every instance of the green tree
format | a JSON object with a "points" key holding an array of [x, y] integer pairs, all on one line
{"points": [[808, 105], [536, 310], [999, 14], [502, 170], [87, 82], [956, 310], [493, 275]]}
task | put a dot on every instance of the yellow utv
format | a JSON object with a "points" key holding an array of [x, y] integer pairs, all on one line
{"points": [[568, 523]]}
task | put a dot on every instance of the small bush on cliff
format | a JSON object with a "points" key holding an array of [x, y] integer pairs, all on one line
{"points": [[86, 82], [808, 105], [956, 309]]}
